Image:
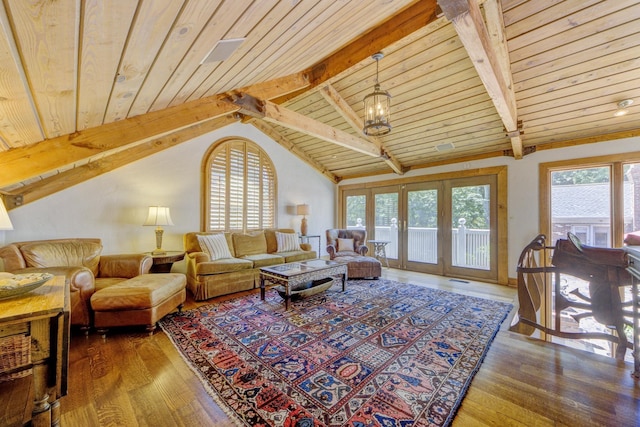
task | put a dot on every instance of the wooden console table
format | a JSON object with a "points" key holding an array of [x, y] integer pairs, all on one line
{"points": [[43, 316]]}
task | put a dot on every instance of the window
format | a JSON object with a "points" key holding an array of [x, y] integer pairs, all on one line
{"points": [[239, 187], [595, 198]]}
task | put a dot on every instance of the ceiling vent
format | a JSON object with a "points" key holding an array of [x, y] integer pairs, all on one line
{"points": [[445, 147], [222, 50]]}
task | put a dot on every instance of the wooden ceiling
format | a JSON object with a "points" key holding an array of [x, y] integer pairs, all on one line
{"points": [[88, 86]]}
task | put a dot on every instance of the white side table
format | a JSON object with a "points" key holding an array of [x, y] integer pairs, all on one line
{"points": [[379, 250]]}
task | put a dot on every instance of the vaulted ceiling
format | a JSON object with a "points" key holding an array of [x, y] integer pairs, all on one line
{"points": [[88, 86]]}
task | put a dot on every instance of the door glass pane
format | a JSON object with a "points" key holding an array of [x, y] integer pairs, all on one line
{"points": [[581, 204], [386, 207], [631, 190], [422, 226], [470, 238], [356, 209]]}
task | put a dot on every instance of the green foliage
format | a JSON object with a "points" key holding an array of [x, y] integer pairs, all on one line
{"points": [[580, 176], [472, 204]]}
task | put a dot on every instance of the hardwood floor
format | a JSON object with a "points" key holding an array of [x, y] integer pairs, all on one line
{"points": [[132, 379]]}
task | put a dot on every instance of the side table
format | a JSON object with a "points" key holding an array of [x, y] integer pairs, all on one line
{"points": [[305, 239], [162, 263], [379, 250]]}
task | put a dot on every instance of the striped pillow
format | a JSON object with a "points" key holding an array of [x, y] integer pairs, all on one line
{"points": [[287, 242], [215, 245]]}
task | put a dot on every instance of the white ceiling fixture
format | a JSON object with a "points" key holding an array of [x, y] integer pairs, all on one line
{"points": [[445, 147], [222, 50], [622, 107]]}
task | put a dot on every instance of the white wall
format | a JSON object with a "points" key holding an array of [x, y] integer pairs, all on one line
{"points": [[523, 197], [113, 206]]}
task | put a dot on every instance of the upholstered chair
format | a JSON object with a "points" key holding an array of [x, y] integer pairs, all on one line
{"points": [[350, 247], [354, 242]]}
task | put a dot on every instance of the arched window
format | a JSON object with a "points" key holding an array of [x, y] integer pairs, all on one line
{"points": [[239, 187]]}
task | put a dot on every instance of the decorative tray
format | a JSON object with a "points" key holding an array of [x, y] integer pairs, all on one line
{"points": [[17, 284]]}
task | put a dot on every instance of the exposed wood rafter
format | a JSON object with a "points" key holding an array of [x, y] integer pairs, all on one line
{"points": [[272, 133], [49, 155], [489, 56], [71, 177], [403, 24], [332, 96], [273, 113]]}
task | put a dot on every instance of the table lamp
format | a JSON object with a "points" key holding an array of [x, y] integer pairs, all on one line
{"points": [[303, 210], [158, 216]]}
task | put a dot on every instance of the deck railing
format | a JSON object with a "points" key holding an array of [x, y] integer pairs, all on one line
{"points": [[470, 247]]}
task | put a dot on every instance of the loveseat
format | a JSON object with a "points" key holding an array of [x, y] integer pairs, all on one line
{"points": [[212, 272], [81, 262]]}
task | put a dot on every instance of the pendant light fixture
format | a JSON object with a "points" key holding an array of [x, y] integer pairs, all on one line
{"points": [[376, 108]]}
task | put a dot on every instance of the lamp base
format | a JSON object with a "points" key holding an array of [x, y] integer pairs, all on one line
{"points": [[303, 226], [158, 250]]}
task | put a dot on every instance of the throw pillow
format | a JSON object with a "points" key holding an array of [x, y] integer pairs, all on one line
{"points": [[287, 242], [345, 245], [215, 245]]}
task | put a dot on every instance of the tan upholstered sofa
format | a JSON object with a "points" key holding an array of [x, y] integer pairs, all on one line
{"points": [[81, 262], [207, 278]]}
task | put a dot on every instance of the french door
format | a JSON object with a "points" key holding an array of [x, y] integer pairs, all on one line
{"points": [[444, 227]]}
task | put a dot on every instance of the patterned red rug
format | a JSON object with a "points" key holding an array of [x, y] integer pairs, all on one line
{"points": [[382, 353]]}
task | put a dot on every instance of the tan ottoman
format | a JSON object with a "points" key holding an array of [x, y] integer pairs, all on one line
{"points": [[360, 267], [142, 300]]}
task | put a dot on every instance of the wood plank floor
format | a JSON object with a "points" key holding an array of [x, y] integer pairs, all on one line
{"points": [[132, 379]]}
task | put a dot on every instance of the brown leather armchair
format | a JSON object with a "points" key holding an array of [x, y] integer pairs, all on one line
{"points": [[82, 264], [358, 247]]}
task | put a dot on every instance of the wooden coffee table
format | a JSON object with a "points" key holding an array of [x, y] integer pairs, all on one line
{"points": [[294, 275]]}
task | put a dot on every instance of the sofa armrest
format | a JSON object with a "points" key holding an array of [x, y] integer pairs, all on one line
{"points": [[124, 265], [305, 246], [78, 278], [198, 257], [332, 251], [362, 250]]}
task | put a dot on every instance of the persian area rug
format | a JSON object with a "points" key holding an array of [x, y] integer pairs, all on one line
{"points": [[382, 353]]}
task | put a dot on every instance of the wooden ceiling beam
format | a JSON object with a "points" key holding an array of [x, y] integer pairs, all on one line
{"points": [[490, 57], [410, 20], [22, 163], [331, 95], [273, 133], [63, 180], [273, 113]]}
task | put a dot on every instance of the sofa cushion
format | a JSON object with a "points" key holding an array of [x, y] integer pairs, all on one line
{"points": [[225, 265], [215, 245], [264, 260], [270, 235], [249, 244], [287, 242], [70, 254], [345, 245]]}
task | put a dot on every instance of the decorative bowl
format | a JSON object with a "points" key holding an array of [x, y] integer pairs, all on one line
{"points": [[18, 284]]}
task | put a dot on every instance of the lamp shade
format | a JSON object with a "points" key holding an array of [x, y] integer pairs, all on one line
{"points": [[303, 209], [158, 215], [5, 221]]}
